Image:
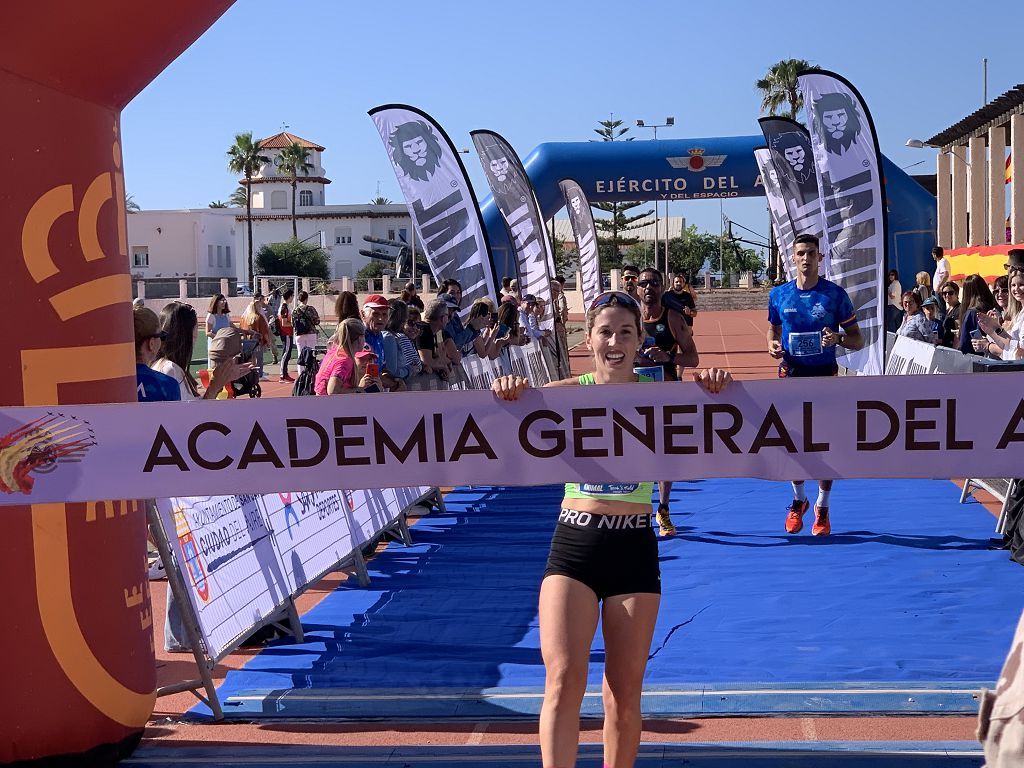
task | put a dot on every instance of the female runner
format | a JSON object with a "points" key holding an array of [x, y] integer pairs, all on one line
{"points": [[600, 568]]}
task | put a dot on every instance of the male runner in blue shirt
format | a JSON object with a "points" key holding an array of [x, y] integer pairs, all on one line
{"points": [[803, 314]]}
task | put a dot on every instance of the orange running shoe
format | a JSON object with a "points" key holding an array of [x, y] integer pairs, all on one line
{"points": [[795, 518], [821, 526]]}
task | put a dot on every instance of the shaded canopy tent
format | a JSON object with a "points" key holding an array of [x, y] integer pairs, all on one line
{"points": [[77, 614], [695, 169]]}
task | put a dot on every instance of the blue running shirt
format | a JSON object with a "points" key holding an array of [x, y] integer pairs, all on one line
{"points": [[804, 314]]}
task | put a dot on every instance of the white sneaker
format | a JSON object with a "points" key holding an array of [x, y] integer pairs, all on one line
{"points": [[157, 570]]}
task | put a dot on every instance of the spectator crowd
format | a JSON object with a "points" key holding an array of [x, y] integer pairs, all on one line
{"points": [[970, 316]]}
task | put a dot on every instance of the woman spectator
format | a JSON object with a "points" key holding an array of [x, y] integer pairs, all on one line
{"points": [[976, 299], [1001, 294], [346, 306], [394, 335], [286, 332], [923, 286], [217, 317], [894, 297], [509, 332], [431, 352], [254, 321], [481, 321], [411, 297], [915, 325], [305, 321], [338, 374], [1004, 341], [598, 570]]}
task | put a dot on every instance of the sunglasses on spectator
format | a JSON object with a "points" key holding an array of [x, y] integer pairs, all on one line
{"points": [[645, 283], [162, 335], [631, 277], [609, 298], [1000, 290], [949, 293]]}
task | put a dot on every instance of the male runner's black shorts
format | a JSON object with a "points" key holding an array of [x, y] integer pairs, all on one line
{"points": [[611, 554]]}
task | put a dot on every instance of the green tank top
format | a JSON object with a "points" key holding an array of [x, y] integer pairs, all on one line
{"points": [[631, 493]]}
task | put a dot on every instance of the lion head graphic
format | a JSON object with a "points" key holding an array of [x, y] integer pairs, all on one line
{"points": [[837, 120], [415, 149]]}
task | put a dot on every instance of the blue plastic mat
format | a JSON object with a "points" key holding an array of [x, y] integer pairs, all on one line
{"points": [[904, 608], [948, 754]]}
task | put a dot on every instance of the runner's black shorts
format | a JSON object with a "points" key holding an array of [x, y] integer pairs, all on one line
{"points": [[611, 554]]}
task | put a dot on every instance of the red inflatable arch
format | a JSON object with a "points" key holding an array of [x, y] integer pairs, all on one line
{"points": [[77, 639]]}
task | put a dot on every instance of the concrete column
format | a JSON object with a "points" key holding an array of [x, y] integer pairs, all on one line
{"points": [[369, 285], [385, 284], [183, 289], [958, 171], [978, 183], [305, 284], [616, 275], [264, 286], [346, 284], [224, 286], [944, 235], [425, 283], [1017, 181], [140, 289], [996, 185]]}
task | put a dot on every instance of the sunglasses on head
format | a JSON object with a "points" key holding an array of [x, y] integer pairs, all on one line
{"points": [[162, 335], [609, 298]]}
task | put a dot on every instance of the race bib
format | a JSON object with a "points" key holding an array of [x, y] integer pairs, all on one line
{"points": [[805, 344]]}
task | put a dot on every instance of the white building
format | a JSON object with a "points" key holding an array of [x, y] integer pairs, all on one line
{"points": [[182, 243], [214, 240]]}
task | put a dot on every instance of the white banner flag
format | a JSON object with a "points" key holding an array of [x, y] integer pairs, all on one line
{"points": [[848, 165], [585, 233], [517, 203], [784, 234], [793, 159], [444, 211]]}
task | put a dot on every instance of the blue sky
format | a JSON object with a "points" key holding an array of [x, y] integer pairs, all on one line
{"points": [[544, 71]]}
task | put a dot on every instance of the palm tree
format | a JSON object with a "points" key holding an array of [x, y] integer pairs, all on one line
{"points": [[239, 197], [217, 204], [130, 206], [244, 157], [779, 87], [291, 162], [380, 201]]}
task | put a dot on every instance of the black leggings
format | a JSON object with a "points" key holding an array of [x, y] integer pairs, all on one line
{"points": [[611, 554], [286, 353]]}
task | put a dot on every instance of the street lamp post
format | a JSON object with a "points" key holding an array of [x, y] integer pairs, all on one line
{"points": [[669, 122]]}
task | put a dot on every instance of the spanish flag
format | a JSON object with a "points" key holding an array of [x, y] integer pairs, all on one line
{"points": [[1009, 176]]}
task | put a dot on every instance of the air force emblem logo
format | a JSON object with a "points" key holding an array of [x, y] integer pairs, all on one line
{"points": [[696, 161]]}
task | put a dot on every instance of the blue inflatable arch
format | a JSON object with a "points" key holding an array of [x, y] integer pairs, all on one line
{"points": [[696, 169]]}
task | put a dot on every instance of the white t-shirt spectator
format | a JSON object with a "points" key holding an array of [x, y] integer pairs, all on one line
{"points": [[895, 294], [941, 273], [172, 369]]}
